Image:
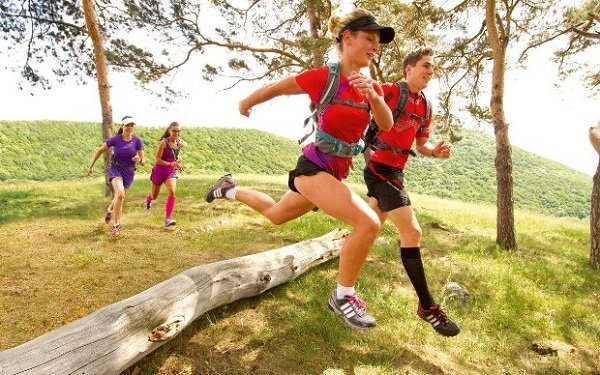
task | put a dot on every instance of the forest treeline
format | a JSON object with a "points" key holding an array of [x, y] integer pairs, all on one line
{"points": [[59, 150]]}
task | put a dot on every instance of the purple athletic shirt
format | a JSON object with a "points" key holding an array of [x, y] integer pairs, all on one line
{"points": [[124, 151]]}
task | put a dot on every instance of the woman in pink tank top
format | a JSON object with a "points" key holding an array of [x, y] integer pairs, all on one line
{"points": [[165, 170]]}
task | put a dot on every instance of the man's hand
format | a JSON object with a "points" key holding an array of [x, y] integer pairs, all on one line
{"points": [[441, 150]]}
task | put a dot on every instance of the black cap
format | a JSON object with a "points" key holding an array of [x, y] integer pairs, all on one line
{"points": [[386, 33]]}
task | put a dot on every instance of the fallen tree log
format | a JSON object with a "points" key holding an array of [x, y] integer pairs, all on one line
{"points": [[113, 338]]}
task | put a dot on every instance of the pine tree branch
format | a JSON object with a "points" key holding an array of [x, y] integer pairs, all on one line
{"points": [[244, 47], [586, 34], [523, 54], [266, 74], [47, 21]]}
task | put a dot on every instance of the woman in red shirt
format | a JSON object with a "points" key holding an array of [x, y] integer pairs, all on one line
{"points": [[317, 179]]}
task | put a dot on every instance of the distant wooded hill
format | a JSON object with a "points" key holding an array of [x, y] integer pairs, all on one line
{"points": [[57, 150]]}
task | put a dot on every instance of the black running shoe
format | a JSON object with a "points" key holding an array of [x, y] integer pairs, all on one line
{"points": [[218, 190], [438, 320], [353, 310]]}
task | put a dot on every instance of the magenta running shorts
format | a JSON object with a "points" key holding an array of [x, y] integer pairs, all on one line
{"points": [[161, 173]]}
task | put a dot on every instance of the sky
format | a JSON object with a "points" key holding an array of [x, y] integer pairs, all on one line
{"points": [[549, 121]]}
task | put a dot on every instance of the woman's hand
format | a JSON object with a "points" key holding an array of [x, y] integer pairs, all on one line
{"points": [[175, 164], [244, 108], [363, 84]]}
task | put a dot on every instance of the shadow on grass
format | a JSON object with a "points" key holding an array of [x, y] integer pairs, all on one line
{"points": [[311, 341]]}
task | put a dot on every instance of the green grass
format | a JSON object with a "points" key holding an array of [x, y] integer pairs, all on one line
{"points": [[58, 263]]}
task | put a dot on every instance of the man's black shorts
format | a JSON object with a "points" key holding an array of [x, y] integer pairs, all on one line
{"points": [[385, 183]]}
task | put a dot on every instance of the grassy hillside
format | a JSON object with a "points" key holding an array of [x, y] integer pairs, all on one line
{"points": [[532, 311], [50, 150], [54, 150], [540, 184]]}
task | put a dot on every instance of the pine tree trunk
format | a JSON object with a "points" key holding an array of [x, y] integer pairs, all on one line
{"points": [[595, 221], [505, 221], [314, 26], [102, 75]]}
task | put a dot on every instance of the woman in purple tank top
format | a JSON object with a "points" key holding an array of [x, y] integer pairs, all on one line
{"points": [[165, 170], [127, 149]]}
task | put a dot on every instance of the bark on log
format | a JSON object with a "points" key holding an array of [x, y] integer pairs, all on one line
{"points": [[115, 337]]}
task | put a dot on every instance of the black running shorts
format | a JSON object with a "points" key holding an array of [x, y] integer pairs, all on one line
{"points": [[304, 167], [385, 183]]}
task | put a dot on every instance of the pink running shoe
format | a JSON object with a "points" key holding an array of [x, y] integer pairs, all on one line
{"points": [[116, 230], [353, 310]]}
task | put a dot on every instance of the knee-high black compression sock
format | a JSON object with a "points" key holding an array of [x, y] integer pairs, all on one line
{"points": [[411, 259]]}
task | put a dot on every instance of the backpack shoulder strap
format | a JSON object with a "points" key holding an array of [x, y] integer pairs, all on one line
{"points": [[427, 114], [371, 135], [402, 99], [427, 109], [331, 87]]}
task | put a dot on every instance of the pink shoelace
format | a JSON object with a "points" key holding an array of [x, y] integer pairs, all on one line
{"points": [[360, 305]]}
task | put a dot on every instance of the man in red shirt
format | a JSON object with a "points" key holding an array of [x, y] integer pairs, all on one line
{"points": [[384, 177]]}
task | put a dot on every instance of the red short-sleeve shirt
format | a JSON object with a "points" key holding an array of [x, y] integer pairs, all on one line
{"points": [[405, 129], [338, 120]]}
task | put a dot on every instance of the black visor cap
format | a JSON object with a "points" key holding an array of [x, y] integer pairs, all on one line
{"points": [[386, 33]]}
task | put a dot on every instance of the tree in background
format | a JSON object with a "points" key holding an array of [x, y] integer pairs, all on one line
{"points": [[265, 40], [583, 23], [50, 37], [498, 34], [53, 38], [93, 30], [496, 30], [580, 26], [152, 39], [595, 210]]}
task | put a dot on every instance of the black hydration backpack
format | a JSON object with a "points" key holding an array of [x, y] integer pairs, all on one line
{"points": [[371, 136]]}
